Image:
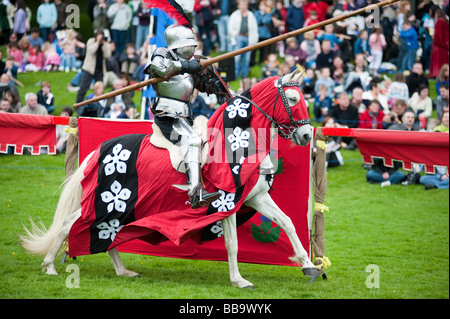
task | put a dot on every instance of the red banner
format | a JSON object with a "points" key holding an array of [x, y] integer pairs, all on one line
{"points": [[260, 240]]}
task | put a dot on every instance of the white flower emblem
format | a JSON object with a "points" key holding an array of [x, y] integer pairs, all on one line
{"points": [[109, 231], [217, 229], [237, 108], [117, 159], [116, 198], [239, 138], [225, 202]]}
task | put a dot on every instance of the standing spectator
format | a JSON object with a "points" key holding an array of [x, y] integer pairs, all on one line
{"points": [[100, 16], [377, 42], [243, 31], [312, 48], [47, 17], [32, 106], [398, 89], [223, 10], [372, 117], [45, 97], [412, 45], [422, 105], [143, 14], [20, 21], [416, 79], [442, 100], [61, 14], [295, 18], [121, 16], [204, 19], [4, 22], [361, 45], [264, 20], [134, 6], [94, 66], [440, 46]]}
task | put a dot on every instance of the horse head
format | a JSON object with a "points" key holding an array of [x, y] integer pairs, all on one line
{"points": [[282, 102]]}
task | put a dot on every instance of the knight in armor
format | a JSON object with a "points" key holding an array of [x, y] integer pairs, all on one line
{"points": [[172, 110]]}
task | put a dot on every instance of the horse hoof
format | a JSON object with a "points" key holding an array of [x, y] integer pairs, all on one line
{"points": [[311, 272], [251, 287]]}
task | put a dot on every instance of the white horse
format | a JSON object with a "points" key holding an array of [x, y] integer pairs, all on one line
{"points": [[48, 242]]}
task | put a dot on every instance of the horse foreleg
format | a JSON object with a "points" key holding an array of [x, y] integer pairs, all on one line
{"points": [[119, 267], [49, 261], [264, 204], [231, 244]]}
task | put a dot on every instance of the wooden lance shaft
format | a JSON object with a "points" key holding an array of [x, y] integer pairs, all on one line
{"points": [[208, 62]]}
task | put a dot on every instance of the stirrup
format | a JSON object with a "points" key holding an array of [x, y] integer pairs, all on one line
{"points": [[202, 198]]}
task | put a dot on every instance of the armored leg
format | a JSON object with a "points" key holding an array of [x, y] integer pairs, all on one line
{"points": [[191, 145]]}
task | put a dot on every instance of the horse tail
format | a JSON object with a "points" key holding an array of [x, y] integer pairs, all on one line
{"points": [[39, 239]]}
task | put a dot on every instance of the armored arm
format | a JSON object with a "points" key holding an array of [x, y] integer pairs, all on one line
{"points": [[163, 65]]}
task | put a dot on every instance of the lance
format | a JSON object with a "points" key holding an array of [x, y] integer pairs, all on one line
{"points": [[207, 62]]}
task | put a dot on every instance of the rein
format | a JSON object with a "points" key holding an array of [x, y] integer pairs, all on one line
{"points": [[285, 131]]}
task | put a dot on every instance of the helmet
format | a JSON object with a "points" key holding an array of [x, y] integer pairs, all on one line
{"points": [[178, 36]]}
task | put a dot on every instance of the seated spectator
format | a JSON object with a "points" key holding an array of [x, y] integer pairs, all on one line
{"points": [[325, 79], [357, 99], [16, 53], [294, 49], [312, 48], [32, 106], [347, 116], [416, 79], [374, 93], [69, 45], [129, 60], [322, 104], [117, 104], [6, 84], [443, 127], [35, 62], [129, 113], [395, 116], [52, 60], [309, 84], [407, 123], [339, 68], [397, 90], [10, 68], [442, 77], [14, 100], [46, 98], [333, 154], [422, 105], [442, 100], [387, 176], [270, 67], [61, 134], [325, 58], [96, 109], [5, 106], [439, 180], [372, 118], [359, 76], [34, 38]]}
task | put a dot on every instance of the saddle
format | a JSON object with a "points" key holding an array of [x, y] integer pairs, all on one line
{"points": [[176, 158]]}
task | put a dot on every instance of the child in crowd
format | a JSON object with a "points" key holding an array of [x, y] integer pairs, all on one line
{"points": [[325, 78], [45, 97], [312, 48], [271, 66], [35, 62], [328, 34], [129, 60], [322, 103], [294, 49], [309, 84], [51, 58], [398, 90], [69, 45], [16, 53]]}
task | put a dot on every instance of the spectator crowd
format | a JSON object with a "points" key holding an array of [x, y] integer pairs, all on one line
{"points": [[371, 71]]}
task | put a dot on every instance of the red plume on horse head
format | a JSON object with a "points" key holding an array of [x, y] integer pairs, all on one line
{"points": [[172, 9]]}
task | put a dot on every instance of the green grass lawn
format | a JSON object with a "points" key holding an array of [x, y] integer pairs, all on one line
{"points": [[404, 231]]}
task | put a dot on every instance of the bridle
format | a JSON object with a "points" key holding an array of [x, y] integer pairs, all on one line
{"points": [[285, 131]]}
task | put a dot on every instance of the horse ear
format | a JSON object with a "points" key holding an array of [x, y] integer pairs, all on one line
{"points": [[294, 76]]}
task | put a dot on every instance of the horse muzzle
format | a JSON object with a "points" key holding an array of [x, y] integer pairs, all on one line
{"points": [[302, 135]]}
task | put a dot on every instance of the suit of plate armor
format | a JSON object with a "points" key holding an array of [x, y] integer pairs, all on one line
{"points": [[172, 108]]}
